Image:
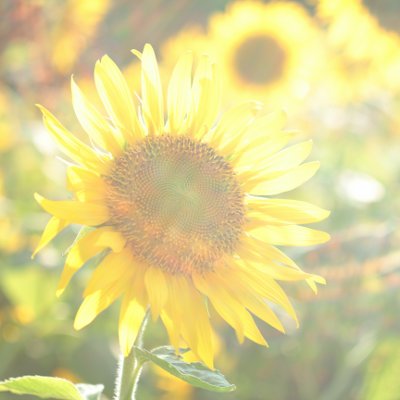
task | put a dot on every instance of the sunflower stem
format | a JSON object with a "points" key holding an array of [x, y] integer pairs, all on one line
{"points": [[130, 367]]}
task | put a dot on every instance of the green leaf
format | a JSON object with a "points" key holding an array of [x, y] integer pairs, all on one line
{"points": [[195, 373], [42, 386], [90, 392]]}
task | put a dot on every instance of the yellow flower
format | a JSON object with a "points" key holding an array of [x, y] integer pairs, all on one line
{"points": [[268, 51], [79, 25], [9, 126], [365, 58], [175, 198], [191, 38]]}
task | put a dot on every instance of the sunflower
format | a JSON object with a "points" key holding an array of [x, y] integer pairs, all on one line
{"points": [[365, 58], [191, 38], [181, 204], [267, 51], [80, 23]]}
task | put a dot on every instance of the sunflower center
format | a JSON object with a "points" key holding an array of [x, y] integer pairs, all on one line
{"points": [[177, 202], [259, 60]]}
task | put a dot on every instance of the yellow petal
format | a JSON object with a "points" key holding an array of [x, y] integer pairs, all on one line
{"points": [[117, 99], [268, 124], [229, 308], [95, 125], [288, 158], [263, 136], [292, 211], [86, 248], [131, 317], [90, 214], [270, 266], [179, 93], [95, 303], [289, 235], [264, 250], [71, 146], [274, 262], [266, 287], [258, 150], [206, 98], [178, 286], [137, 53], [205, 337], [172, 316], [260, 309], [115, 267], [108, 282], [86, 185], [253, 302], [280, 182], [81, 178], [53, 228], [233, 125], [173, 332], [196, 329], [313, 280], [152, 95], [157, 290]]}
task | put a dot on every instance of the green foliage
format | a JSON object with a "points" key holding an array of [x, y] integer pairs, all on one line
{"points": [[47, 387], [50, 388], [383, 371], [195, 373]]}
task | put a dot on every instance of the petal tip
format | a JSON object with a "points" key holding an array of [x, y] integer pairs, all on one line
{"points": [[42, 109], [325, 237], [38, 198], [137, 53], [148, 48], [79, 324]]}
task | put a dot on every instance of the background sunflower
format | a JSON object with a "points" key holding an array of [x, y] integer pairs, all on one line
{"points": [[365, 55], [268, 51]]}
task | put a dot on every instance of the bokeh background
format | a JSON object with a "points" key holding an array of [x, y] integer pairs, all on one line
{"points": [[334, 66]]}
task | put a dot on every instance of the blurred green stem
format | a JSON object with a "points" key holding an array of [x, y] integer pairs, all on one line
{"points": [[130, 368]]}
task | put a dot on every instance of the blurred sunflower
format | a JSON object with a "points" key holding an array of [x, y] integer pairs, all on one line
{"points": [[268, 51], [9, 126], [365, 58], [192, 37], [80, 22], [182, 205]]}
